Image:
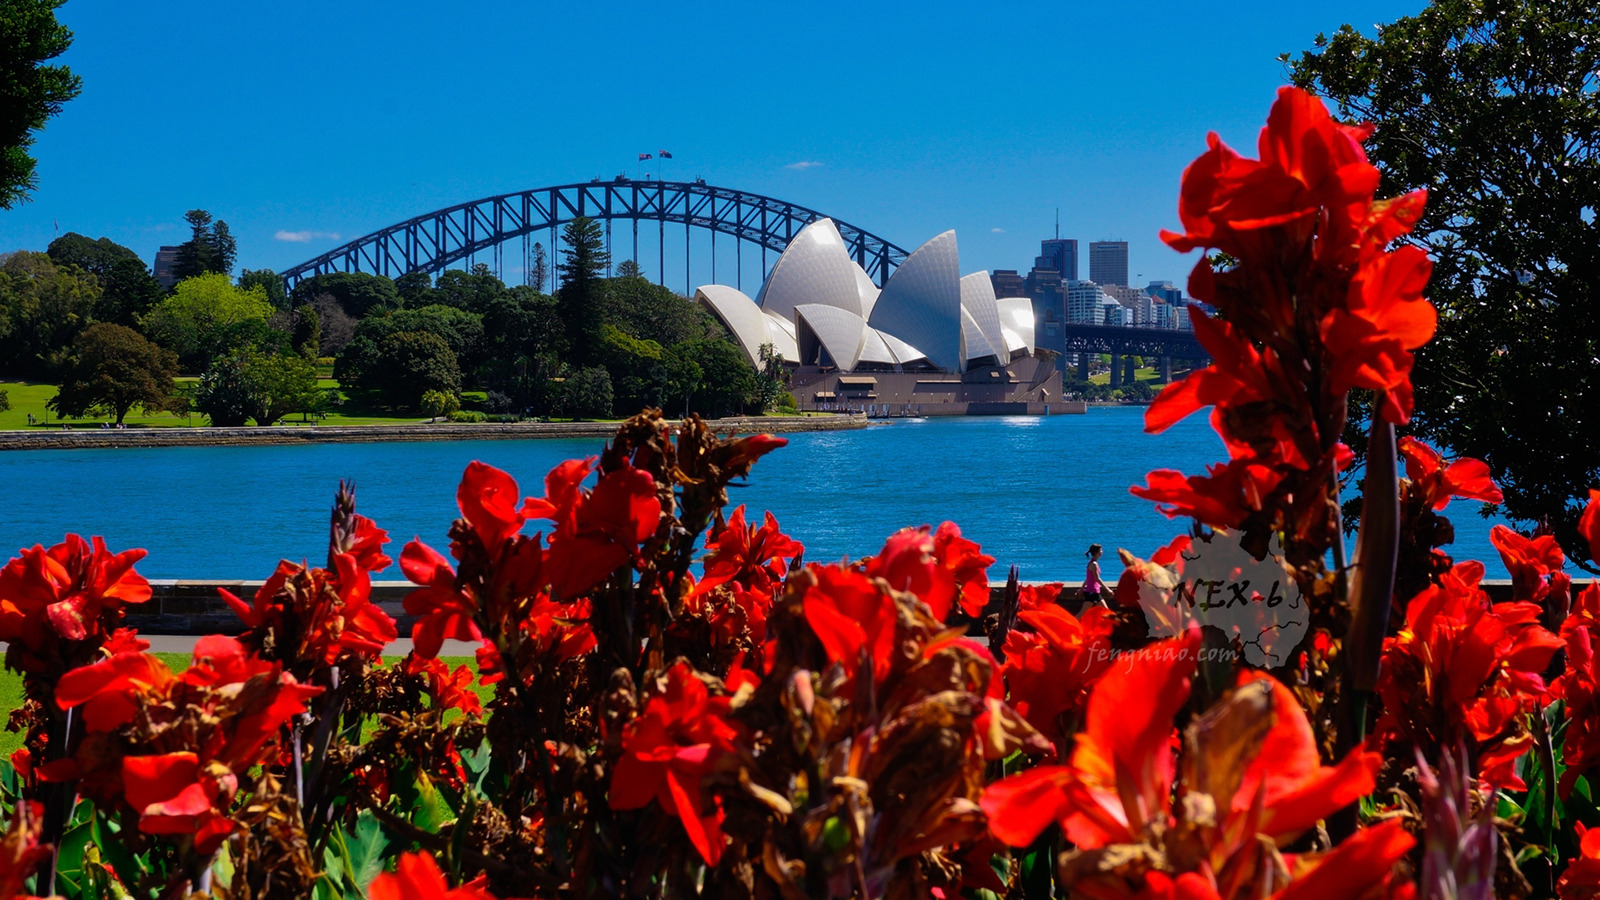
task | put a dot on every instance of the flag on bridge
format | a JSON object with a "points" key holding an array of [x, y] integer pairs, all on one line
{"points": [[644, 156], [665, 155]]}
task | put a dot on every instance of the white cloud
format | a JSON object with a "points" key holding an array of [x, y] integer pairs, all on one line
{"points": [[301, 237], [803, 164], [997, 231]]}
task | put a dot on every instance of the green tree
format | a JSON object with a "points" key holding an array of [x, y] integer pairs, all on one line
{"points": [[307, 335], [207, 317], [5, 401], [439, 403], [772, 380], [587, 394], [415, 362], [112, 369], [472, 291], [270, 281], [539, 270], [638, 377], [629, 269], [42, 308], [30, 91], [651, 312], [279, 384], [97, 257], [129, 292], [209, 249], [581, 298], [726, 381], [363, 358], [415, 288], [1493, 108], [357, 293], [224, 394]]}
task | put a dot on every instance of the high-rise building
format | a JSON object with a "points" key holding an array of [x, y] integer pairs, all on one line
{"points": [[1085, 303], [1108, 262], [166, 260], [1007, 283], [1060, 254]]}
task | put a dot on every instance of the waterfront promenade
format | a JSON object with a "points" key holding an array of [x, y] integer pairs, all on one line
{"points": [[110, 438]]}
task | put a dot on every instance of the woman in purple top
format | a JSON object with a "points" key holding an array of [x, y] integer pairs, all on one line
{"points": [[1091, 577]]}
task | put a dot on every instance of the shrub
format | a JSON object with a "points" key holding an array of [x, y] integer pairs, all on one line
{"points": [[467, 415]]}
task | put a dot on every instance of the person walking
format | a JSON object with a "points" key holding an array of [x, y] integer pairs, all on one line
{"points": [[1093, 588]]}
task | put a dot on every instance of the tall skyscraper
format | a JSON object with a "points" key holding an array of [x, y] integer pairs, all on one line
{"points": [[1108, 262], [1060, 254]]}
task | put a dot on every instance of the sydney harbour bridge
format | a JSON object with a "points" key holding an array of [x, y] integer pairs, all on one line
{"points": [[485, 230]]}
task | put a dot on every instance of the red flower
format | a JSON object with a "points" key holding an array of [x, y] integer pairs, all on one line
{"points": [[1581, 880], [1438, 484], [668, 751], [619, 514], [1038, 596], [73, 591], [488, 500], [852, 617], [1579, 686], [443, 611], [1117, 786], [20, 851], [1224, 498], [939, 567], [450, 690], [1372, 337], [173, 794], [1589, 524], [367, 545], [1051, 669], [751, 557], [1464, 668], [1532, 562], [418, 877], [329, 612]]}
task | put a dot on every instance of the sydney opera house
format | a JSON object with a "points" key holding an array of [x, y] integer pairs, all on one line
{"points": [[929, 342]]}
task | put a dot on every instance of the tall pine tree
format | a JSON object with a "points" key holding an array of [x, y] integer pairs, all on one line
{"points": [[581, 299]]}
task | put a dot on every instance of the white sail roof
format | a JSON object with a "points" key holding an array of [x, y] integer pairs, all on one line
{"points": [[904, 353], [867, 290], [977, 301], [782, 333], [974, 345], [921, 304], [875, 350], [1016, 317], [741, 316], [815, 268], [842, 333]]}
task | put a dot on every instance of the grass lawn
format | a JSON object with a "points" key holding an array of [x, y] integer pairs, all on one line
{"points": [[11, 689], [1148, 373], [29, 397]]}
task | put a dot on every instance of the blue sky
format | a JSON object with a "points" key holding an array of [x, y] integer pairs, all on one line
{"points": [[326, 121]]}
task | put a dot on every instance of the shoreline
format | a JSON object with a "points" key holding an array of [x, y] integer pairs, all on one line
{"points": [[113, 438]]}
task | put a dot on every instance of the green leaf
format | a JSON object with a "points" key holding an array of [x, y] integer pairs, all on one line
{"points": [[431, 812], [366, 850], [477, 762]]}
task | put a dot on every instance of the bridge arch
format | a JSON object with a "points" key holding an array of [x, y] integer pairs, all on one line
{"points": [[434, 241]]}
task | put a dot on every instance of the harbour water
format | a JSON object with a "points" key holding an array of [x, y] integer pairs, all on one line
{"points": [[1034, 491]]}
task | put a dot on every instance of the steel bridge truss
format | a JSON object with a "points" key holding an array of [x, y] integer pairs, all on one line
{"points": [[1157, 342], [433, 242]]}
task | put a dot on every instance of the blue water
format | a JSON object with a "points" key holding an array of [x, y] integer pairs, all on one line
{"points": [[1034, 492]]}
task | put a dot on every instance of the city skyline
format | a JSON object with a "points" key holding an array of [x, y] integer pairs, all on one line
{"points": [[351, 119]]}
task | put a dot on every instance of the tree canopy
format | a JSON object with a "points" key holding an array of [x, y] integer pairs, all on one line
{"points": [[97, 257], [357, 293], [1494, 107], [209, 249], [582, 294], [42, 308], [112, 369], [208, 316], [30, 91]]}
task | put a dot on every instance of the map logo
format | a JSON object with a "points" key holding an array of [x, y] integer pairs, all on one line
{"points": [[1217, 583]]}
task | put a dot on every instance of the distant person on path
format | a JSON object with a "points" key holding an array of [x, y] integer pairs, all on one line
{"points": [[1092, 586]]}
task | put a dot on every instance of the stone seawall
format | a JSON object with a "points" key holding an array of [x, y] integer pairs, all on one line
{"points": [[193, 607], [104, 438]]}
